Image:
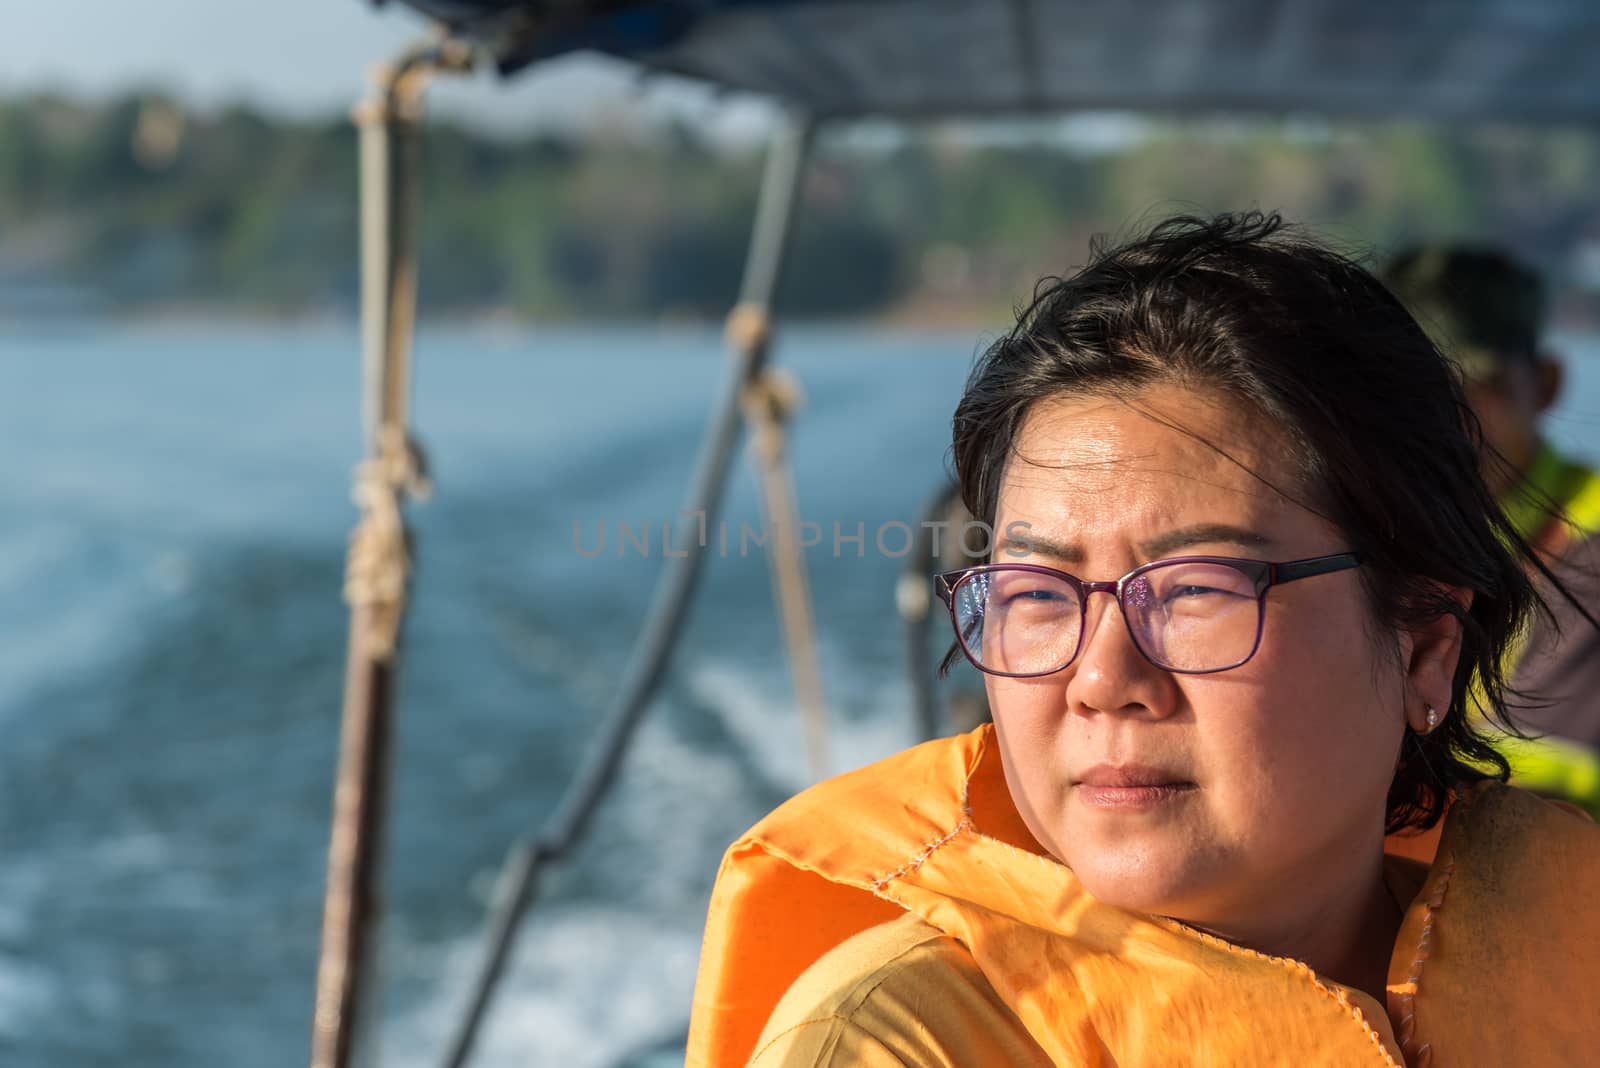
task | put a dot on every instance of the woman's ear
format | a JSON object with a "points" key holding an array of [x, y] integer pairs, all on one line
{"points": [[1433, 651]]}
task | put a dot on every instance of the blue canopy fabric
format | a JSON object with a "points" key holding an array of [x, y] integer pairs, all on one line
{"points": [[1532, 61]]}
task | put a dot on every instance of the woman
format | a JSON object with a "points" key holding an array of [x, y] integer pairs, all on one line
{"points": [[1170, 847]]}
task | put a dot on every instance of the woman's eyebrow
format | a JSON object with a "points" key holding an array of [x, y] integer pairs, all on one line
{"points": [[1154, 548], [1030, 544], [1202, 534]]}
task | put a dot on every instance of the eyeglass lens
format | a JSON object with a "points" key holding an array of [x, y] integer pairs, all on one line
{"points": [[1189, 616]]}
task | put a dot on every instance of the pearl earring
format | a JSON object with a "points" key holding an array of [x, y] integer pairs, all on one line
{"points": [[1433, 719]]}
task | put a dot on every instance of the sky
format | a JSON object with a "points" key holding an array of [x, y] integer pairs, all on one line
{"points": [[302, 57]]}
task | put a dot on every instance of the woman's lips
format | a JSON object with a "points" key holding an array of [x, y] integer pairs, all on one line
{"points": [[1129, 786]]}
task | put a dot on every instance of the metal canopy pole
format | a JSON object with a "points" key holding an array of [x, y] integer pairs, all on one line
{"points": [[749, 337], [378, 569]]}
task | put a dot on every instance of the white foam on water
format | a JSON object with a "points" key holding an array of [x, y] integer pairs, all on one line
{"points": [[591, 984], [138, 851], [82, 594], [184, 874], [24, 882], [679, 805], [759, 710], [27, 552], [27, 994], [586, 988]]}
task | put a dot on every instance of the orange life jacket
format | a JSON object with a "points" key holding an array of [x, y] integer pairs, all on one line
{"points": [[1496, 962]]}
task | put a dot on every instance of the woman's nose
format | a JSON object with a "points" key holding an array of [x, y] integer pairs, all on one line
{"points": [[1111, 674]]}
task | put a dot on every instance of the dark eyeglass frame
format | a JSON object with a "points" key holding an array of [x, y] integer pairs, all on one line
{"points": [[1264, 574]]}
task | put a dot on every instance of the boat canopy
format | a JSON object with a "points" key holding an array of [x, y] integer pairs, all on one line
{"points": [[1528, 61]]}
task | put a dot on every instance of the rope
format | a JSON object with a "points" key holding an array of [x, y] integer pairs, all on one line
{"points": [[378, 566], [769, 401], [749, 329]]}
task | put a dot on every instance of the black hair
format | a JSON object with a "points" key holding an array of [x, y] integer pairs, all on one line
{"points": [[1380, 434]]}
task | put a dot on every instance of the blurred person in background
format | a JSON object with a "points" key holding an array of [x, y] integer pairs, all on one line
{"points": [[1485, 311]]}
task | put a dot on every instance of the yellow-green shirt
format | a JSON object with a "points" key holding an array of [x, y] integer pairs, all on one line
{"points": [[1555, 671]]}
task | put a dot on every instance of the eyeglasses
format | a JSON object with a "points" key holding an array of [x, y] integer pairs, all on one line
{"points": [[1192, 615]]}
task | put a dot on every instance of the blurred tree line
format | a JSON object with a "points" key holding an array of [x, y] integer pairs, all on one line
{"points": [[149, 206]]}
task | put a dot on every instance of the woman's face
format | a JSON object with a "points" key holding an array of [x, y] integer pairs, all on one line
{"points": [[1279, 768]]}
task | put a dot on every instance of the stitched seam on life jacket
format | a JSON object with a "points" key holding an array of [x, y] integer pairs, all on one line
{"points": [[972, 823], [1297, 966], [917, 861], [1406, 1033], [1422, 1054]]}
